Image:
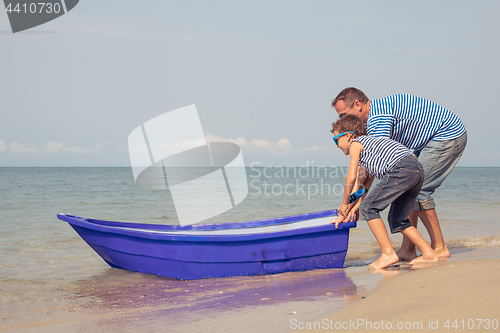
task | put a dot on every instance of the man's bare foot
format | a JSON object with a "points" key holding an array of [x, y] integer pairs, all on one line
{"points": [[405, 255], [442, 253], [384, 261], [425, 259]]}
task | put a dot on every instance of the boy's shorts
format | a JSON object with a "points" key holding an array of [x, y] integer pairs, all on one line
{"points": [[399, 187], [438, 158]]}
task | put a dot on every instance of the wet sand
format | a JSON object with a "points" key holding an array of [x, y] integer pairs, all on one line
{"points": [[124, 301], [463, 288], [455, 295]]}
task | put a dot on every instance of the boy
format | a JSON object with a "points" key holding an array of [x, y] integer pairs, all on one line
{"points": [[401, 177]]}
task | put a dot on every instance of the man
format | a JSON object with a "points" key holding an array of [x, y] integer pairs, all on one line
{"points": [[437, 136]]}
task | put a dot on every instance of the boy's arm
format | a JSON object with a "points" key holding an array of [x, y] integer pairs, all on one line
{"points": [[365, 181], [353, 209], [354, 151]]}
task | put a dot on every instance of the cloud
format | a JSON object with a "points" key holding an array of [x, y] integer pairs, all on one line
{"points": [[265, 147], [254, 147], [168, 149], [80, 150], [22, 148], [53, 147], [3, 146], [50, 148], [259, 147]]}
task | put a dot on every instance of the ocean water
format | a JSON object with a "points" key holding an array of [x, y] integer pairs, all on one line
{"points": [[46, 269]]}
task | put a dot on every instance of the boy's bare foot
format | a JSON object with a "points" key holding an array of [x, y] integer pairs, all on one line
{"points": [[425, 259], [442, 253], [405, 255], [384, 261]]}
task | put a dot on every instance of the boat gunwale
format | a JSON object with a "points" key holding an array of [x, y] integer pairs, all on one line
{"points": [[215, 226], [137, 229]]}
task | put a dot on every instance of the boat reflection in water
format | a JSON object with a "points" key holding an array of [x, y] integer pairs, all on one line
{"points": [[246, 303]]}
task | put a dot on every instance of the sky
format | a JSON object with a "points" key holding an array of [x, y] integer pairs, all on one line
{"points": [[261, 73]]}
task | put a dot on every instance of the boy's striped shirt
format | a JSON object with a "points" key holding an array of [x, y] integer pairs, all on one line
{"points": [[380, 154], [413, 121]]}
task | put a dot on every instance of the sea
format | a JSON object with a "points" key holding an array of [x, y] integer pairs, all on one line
{"points": [[51, 280]]}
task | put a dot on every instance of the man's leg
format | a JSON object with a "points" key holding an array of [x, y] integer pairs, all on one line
{"points": [[429, 218], [438, 159], [431, 222], [428, 255]]}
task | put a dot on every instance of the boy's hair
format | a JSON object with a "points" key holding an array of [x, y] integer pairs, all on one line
{"points": [[349, 122], [350, 95]]}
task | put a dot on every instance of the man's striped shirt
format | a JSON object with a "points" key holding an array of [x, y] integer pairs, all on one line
{"points": [[380, 154], [413, 121]]}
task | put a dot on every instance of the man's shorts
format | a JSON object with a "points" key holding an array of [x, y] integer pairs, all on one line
{"points": [[438, 159]]}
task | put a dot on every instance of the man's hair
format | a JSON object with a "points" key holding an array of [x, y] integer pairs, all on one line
{"points": [[349, 122], [350, 95]]}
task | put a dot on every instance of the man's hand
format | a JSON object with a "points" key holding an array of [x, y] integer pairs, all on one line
{"points": [[353, 214], [342, 212]]}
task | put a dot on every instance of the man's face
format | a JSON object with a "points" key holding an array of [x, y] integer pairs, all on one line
{"points": [[342, 108]]}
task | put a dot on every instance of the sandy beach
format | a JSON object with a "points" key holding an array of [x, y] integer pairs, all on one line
{"points": [[452, 296], [461, 293]]}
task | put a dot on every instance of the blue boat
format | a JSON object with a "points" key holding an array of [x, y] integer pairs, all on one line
{"points": [[292, 243]]}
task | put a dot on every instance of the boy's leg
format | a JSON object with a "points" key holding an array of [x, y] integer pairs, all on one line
{"points": [[405, 174], [407, 251], [378, 198], [410, 177], [388, 256], [438, 159]]}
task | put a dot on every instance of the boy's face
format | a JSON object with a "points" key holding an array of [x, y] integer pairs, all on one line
{"points": [[344, 141]]}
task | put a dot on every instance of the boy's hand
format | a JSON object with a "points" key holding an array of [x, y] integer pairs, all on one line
{"points": [[337, 221]]}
